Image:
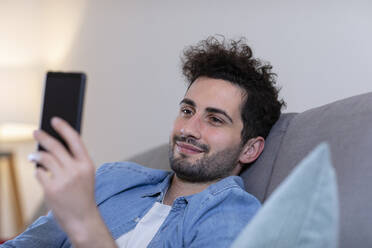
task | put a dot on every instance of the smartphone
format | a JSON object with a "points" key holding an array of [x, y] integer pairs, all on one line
{"points": [[64, 98]]}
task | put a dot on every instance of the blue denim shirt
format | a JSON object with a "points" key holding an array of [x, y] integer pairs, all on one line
{"points": [[126, 191]]}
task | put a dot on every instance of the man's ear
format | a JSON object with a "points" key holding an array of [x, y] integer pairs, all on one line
{"points": [[251, 150]]}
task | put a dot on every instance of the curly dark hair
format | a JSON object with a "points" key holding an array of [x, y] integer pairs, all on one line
{"points": [[232, 60]]}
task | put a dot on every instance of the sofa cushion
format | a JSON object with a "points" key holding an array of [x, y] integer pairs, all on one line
{"points": [[302, 211], [346, 126], [156, 158]]}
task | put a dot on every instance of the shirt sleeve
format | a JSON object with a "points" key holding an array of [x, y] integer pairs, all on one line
{"points": [[44, 232]]}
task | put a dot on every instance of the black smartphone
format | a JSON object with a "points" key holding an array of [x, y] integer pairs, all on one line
{"points": [[63, 97]]}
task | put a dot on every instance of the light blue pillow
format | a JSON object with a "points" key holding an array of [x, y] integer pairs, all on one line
{"points": [[302, 212]]}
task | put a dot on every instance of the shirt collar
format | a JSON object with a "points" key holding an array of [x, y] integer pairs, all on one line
{"points": [[223, 184], [160, 189], [215, 188]]}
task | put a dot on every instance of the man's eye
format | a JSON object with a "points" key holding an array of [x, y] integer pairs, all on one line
{"points": [[215, 120], [186, 111]]}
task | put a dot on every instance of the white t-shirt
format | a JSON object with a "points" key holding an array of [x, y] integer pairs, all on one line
{"points": [[146, 228]]}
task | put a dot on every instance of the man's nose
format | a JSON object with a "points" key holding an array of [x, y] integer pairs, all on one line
{"points": [[192, 127]]}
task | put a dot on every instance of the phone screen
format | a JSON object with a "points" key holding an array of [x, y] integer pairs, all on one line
{"points": [[63, 97]]}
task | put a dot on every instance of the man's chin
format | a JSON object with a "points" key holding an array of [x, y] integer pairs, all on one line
{"points": [[190, 158]]}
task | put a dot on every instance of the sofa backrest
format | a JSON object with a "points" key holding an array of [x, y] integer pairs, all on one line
{"points": [[257, 176], [346, 125]]}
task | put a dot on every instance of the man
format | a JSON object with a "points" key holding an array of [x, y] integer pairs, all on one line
{"points": [[227, 111]]}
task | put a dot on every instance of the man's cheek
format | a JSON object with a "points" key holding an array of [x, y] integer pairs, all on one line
{"points": [[177, 125], [219, 141]]}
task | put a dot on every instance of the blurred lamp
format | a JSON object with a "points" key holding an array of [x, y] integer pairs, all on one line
{"points": [[11, 132]]}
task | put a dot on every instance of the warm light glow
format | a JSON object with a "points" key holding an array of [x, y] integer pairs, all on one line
{"points": [[21, 94], [38, 32], [62, 22], [36, 36], [10, 132]]}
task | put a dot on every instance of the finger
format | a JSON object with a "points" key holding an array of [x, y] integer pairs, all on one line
{"points": [[53, 146], [43, 177], [45, 159], [71, 137]]}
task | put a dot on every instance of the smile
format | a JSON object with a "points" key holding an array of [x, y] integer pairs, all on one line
{"points": [[187, 148]]}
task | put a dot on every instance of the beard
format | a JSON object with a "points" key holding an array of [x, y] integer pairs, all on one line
{"points": [[207, 168]]}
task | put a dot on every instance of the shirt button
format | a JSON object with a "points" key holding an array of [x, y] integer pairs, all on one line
{"points": [[137, 219]]}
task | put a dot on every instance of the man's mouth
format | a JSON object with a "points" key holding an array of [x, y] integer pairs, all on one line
{"points": [[187, 148]]}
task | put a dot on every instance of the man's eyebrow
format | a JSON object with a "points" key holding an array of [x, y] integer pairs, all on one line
{"points": [[188, 102], [219, 111], [209, 109]]}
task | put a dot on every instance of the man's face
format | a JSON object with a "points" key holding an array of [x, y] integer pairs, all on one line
{"points": [[205, 144]]}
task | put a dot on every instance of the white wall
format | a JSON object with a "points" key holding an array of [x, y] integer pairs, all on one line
{"points": [[130, 50]]}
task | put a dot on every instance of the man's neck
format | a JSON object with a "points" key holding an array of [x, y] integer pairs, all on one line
{"points": [[179, 187]]}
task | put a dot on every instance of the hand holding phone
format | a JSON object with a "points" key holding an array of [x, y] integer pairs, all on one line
{"points": [[67, 173]]}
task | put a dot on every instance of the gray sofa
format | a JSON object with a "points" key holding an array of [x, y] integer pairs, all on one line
{"points": [[347, 126]]}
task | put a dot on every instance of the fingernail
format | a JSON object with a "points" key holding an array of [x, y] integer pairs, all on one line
{"points": [[33, 157], [54, 120]]}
